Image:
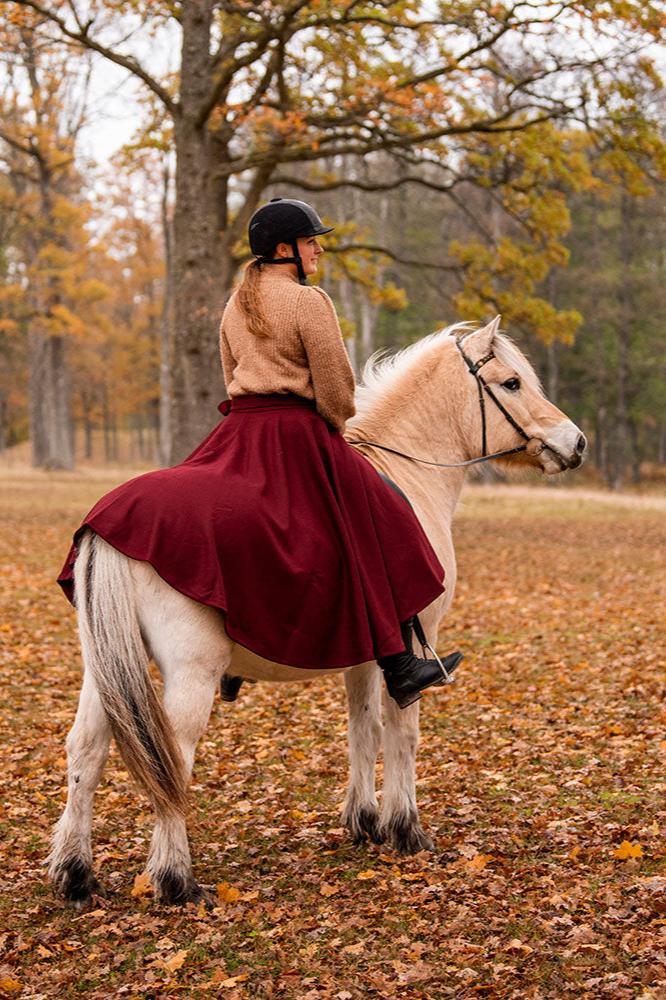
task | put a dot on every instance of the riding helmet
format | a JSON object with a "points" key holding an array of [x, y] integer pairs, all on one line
{"points": [[283, 220]]}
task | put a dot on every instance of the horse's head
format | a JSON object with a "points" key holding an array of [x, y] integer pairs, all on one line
{"points": [[505, 394]]}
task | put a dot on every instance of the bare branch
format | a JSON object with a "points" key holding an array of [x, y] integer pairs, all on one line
{"points": [[358, 148], [373, 248], [82, 37], [341, 182]]}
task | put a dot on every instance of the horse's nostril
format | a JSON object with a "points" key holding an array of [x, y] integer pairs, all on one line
{"points": [[581, 444]]}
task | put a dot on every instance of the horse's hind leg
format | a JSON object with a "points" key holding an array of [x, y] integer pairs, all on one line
{"points": [[399, 817], [191, 649], [360, 814], [70, 861]]}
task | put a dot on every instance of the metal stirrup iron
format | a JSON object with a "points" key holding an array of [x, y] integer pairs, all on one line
{"points": [[426, 647]]}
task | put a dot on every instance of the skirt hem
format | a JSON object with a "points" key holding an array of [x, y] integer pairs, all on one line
{"points": [[238, 636]]}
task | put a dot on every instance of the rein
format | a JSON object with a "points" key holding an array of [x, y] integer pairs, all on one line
{"points": [[483, 387]]}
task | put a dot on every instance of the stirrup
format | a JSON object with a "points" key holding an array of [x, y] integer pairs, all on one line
{"points": [[447, 676]]}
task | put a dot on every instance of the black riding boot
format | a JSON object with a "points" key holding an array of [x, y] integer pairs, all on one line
{"points": [[406, 675], [229, 687]]}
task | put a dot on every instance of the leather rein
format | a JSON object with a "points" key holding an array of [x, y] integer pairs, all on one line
{"points": [[483, 389]]}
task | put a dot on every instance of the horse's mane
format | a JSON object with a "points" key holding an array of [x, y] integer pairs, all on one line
{"points": [[383, 369]]}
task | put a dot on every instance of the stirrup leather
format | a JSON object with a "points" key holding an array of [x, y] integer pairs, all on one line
{"points": [[419, 632]]}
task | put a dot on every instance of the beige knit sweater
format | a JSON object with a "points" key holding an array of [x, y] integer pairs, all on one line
{"points": [[305, 355]]}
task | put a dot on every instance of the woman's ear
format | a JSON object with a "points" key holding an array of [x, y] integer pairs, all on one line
{"points": [[283, 250]]}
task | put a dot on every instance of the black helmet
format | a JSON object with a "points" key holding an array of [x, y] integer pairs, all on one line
{"points": [[283, 220]]}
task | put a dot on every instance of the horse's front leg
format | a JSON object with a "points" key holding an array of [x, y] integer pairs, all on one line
{"points": [[360, 814], [399, 824], [70, 861]]}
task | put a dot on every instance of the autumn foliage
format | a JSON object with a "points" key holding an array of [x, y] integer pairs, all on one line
{"points": [[539, 775]]}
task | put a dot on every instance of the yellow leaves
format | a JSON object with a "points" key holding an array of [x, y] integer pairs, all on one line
{"points": [[220, 980], [231, 981], [627, 850], [366, 875], [142, 886], [227, 893], [175, 962], [10, 987]]}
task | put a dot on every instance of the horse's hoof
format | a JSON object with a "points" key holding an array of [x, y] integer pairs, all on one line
{"points": [[74, 880], [406, 835], [178, 890], [363, 824]]}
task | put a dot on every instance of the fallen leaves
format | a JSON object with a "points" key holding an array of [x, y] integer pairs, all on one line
{"points": [[227, 893], [10, 987], [326, 889], [142, 886], [478, 862], [628, 850], [539, 776], [176, 961]]}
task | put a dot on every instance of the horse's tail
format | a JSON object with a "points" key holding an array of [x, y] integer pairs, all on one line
{"points": [[114, 652]]}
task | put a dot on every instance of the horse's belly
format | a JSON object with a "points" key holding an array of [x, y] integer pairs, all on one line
{"points": [[251, 666]]}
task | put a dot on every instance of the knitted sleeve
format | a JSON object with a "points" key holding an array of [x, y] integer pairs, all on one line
{"points": [[227, 358], [332, 374]]}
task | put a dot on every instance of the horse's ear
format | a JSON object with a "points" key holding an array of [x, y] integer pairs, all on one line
{"points": [[480, 341]]}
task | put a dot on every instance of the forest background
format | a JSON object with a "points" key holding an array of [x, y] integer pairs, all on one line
{"points": [[475, 158]]}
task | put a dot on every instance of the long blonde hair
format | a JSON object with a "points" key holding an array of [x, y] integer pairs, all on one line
{"points": [[249, 301]]}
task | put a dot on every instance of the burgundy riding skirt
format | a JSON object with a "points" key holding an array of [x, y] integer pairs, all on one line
{"points": [[278, 522]]}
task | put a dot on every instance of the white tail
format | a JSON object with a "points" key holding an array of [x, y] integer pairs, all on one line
{"points": [[114, 653]]}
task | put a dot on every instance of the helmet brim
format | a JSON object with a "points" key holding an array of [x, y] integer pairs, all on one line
{"points": [[316, 232]]}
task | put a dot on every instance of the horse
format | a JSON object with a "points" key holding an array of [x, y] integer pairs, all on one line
{"points": [[445, 397]]}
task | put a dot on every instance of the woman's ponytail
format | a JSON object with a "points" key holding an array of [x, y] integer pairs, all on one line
{"points": [[249, 301]]}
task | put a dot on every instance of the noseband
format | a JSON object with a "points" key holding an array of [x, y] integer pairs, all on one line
{"points": [[484, 389]]}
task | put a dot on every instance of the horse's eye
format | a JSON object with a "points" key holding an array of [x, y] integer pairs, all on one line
{"points": [[512, 384]]}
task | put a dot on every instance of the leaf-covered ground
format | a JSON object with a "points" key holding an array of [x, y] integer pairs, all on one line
{"points": [[541, 778]]}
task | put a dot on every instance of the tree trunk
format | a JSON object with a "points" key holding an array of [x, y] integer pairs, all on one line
{"points": [[87, 426], [166, 331], [52, 429], [199, 278], [553, 371], [106, 424], [625, 297], [3, 422]]}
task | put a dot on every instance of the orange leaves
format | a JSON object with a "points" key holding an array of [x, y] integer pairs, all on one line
{"points": [[525, 791], [10, 987], [478, 862], [142, 886], [227, 893], [627, 850]]}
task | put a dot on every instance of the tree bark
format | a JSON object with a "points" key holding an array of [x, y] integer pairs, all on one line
{"points": [[166, 331], [50, 414], [625, 299], [199, 275]]}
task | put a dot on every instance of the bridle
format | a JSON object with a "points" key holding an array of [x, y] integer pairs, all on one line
{"points": [[484, 389]]}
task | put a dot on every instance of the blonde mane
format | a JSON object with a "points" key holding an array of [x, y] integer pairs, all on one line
{"points": [[383, 370]]}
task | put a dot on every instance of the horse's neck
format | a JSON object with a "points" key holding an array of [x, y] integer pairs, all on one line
{"points": [[417, 417]]}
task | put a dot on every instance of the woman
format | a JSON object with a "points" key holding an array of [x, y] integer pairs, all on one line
{"points": [[274, 518]]}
